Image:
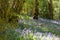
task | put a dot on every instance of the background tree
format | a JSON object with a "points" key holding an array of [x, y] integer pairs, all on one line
{"points": [[8, 17], [50, 9], [36, 10]]}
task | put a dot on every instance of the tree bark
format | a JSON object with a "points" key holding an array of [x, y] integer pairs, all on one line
{"points": [[50, 9], [36, 10], [17, 5]]}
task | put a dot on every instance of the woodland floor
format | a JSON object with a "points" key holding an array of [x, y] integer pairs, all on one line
{"points": [[41, 29], [30, 29]]}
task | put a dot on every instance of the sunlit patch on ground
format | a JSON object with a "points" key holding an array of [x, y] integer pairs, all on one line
{"points": [[30, 34]]}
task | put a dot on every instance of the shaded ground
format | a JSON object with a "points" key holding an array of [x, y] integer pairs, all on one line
{"points": [[45, 24], [49, 28]]}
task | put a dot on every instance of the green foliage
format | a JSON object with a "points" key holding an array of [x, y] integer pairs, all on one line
{"points": [[56, 5], [43, 8], [13, 10]]}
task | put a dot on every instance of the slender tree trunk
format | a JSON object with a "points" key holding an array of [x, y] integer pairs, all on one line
{"points": [[17, 5], [36, 10], [50, 9]]}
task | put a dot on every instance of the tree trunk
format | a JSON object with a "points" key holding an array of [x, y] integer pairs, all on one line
{"points": [[36, 10], [17, 5], [50, 9]]}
